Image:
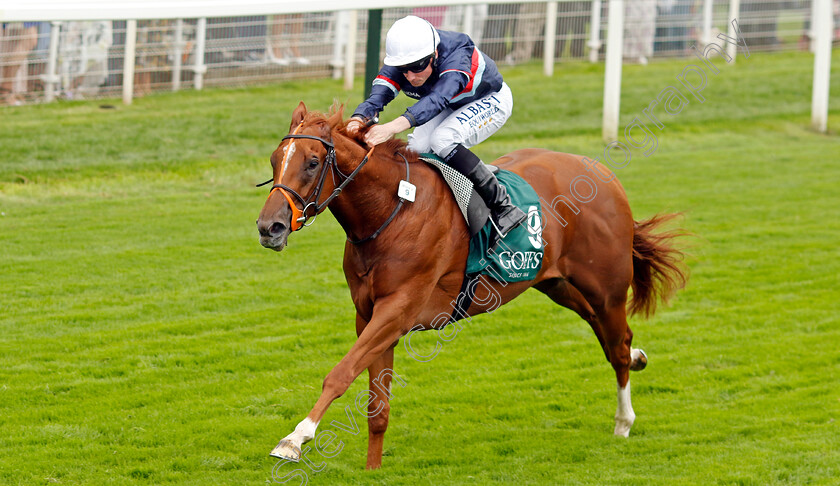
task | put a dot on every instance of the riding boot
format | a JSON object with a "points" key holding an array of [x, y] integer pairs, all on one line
{"points": [[503, 213]]}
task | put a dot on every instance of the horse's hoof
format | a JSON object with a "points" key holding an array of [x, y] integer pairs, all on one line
{"points": [[638, 360], [622, 427], [287, 450]]}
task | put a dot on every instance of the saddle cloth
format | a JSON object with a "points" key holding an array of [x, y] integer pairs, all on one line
{"points": [[472, 206], [518, 256]]}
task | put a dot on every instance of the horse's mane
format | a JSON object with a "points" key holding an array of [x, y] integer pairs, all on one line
{"points": [[335, 119], [398, 145]]}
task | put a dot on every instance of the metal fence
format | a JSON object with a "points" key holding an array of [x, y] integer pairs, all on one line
{"points": [[261, 49]]}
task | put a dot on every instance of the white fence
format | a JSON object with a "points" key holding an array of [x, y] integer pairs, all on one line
{"points": [[79, 50]]}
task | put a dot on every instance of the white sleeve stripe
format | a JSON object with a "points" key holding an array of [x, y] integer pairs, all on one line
{"points": [[479, 74], [456, 71], [382, 82]]}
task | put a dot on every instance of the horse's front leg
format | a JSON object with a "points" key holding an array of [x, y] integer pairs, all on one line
{"points": [[392, 318]]}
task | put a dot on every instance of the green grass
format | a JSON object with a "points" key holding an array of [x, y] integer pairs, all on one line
{"points": [[146, 337]]}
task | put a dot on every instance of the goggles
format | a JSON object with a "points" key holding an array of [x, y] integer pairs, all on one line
{"points": [[417, 66]]}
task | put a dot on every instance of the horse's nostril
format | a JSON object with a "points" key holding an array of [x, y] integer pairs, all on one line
{"points": [[277, 228]]}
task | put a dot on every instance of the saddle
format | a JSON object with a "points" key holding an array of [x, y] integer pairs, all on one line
{"points": [[475, 211], [518, 256]]}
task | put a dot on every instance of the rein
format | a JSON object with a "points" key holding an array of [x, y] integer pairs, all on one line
{"points": [[393, 213], [300, 216]]}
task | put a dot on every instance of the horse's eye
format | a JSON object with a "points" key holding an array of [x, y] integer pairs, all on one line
{"points": [[313, 163]]}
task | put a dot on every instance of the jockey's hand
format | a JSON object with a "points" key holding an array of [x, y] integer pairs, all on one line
{"points": [[381, 133], [378, 134], [354, 125]]}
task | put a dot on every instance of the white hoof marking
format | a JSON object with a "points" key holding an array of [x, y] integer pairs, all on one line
{"points": [[624, 415], [289, 447]]}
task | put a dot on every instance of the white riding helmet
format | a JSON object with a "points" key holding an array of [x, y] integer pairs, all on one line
{"points": [[409, 40]]}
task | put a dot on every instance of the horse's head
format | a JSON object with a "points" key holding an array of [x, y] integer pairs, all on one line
{"points": [[300, 165]]}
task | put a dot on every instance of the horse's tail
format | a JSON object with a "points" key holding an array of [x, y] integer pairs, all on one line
{"points": [[658, 271]]}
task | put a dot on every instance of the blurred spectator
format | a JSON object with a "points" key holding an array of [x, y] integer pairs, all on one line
{"points": [[38, 58], [434, 15], [529, 28], [758, 22], [639, 26], [83, 57], [285, 49], [454, 20], [672, 21], [806, 39], [836, 11], [250, 32], [17, 39], [154, 43], [499, 27], [236, 40], [572, 20]]}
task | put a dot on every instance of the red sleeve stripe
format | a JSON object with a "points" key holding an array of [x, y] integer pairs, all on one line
{"points": [[477, 69], [389, 83]]}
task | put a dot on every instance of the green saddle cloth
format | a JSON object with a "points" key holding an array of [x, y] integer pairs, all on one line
{"points": [[519, 255]]}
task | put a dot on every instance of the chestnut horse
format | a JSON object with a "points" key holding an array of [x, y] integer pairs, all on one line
{"points": [[410, 273]]}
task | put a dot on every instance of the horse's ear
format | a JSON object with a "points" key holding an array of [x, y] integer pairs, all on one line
{"points": [[336, 115], [297, 116]]}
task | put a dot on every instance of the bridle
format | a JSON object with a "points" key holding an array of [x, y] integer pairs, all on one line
{"points": [[300, 217]]}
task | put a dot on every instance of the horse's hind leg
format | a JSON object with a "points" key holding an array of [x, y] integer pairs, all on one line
{"points": [[564, 293], [618, 337], [615, 336]]}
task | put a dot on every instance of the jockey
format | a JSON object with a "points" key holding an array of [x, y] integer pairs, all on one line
{"points": [[462, 100]]}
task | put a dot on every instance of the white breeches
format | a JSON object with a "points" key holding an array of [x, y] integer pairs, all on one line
{"points": [[469, 125]]}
